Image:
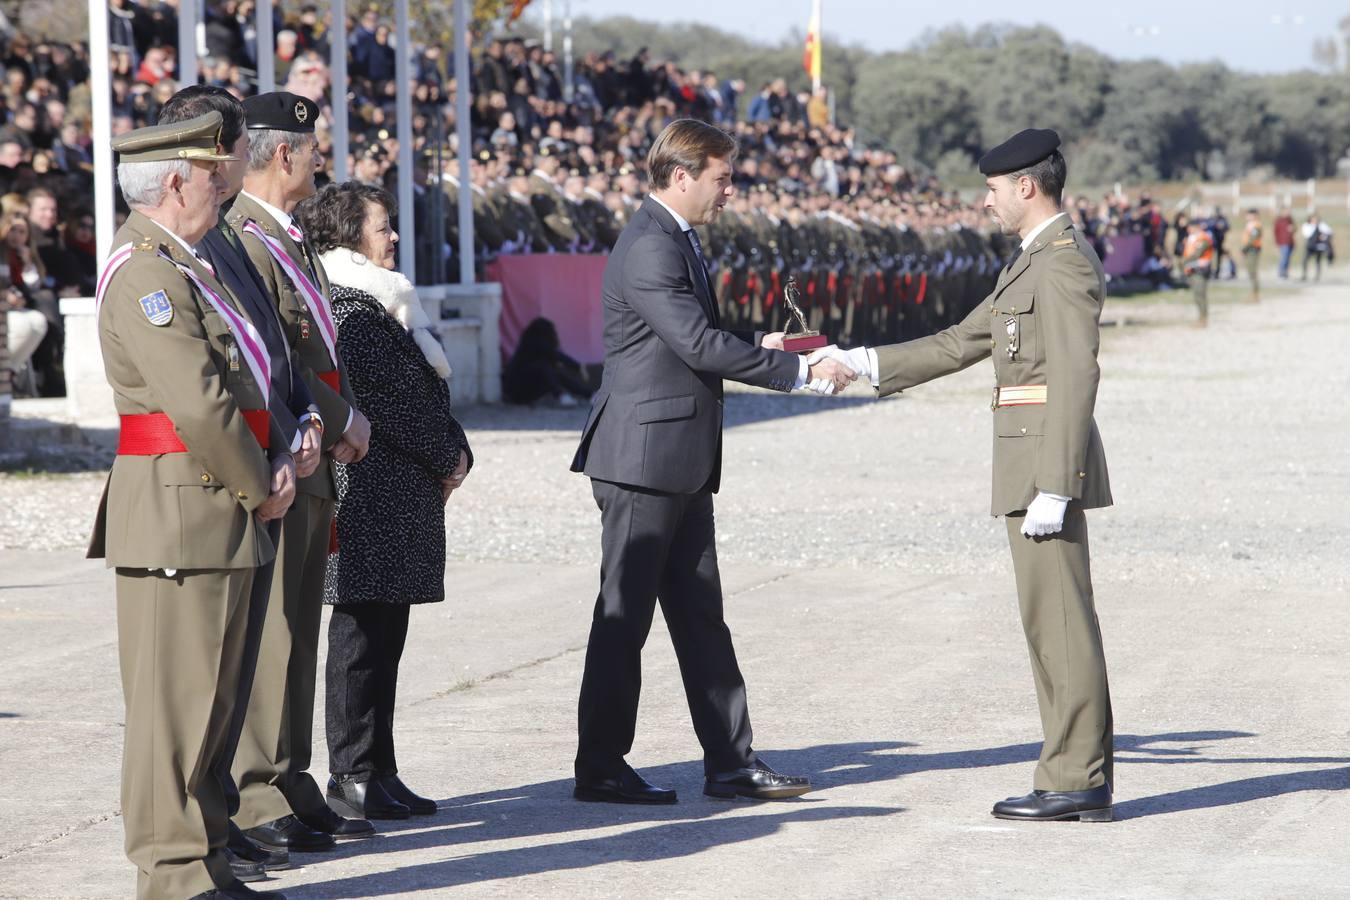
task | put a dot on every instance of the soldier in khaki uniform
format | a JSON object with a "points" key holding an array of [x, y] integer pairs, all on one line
{"points": [[1040, 326], [280, 805], [1252, 233], [182, 518]]}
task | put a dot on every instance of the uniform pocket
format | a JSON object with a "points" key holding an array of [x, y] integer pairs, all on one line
{"points": [[665, 409], [1019, 421]]}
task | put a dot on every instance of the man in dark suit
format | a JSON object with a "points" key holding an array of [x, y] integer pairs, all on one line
{"points": [[652, 446], [290, 404]]}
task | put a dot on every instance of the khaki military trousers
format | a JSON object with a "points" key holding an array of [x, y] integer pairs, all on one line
{"points": [[1054, 592], [274, 752], [1200, 293], [180, 640]]}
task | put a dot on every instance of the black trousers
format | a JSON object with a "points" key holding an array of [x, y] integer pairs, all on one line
{"points": [[257, 613], [365, 644], [659, 547]]}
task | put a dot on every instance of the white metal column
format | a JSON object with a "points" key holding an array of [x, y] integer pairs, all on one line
{"points": [[463, 142], [267, 48], [407, 243], [337, 70], [101, 87], [187, 42]]}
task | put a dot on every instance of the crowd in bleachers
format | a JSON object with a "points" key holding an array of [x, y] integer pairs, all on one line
{"points": [[553, 170]]}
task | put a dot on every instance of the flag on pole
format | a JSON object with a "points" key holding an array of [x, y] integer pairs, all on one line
{"points": [[517, 8], [811, 59]]}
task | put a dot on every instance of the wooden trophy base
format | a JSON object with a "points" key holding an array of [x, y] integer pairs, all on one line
{"points": [[805, 342]]}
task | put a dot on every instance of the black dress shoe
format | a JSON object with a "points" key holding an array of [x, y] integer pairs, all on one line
{"points": [[241, 891], [340, 827], [418, 806], [289, 833], [627, 787], [1093, 805], [244, 869], [366, 799], [243, 848], [758, 782]]}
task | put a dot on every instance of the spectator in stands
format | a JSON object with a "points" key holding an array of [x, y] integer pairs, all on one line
{"points": [[27, 275], [761, 110], [26, 329], [45, 231]]}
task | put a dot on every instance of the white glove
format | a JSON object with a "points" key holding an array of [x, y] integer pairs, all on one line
{"points": [[822, 386], [857, 359], [1045, 515]]}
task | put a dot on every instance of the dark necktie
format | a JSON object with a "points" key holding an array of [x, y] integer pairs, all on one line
{"points": [[1013, 259], [702, 263]]}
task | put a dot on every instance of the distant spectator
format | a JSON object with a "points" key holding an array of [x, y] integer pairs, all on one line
{"points": [[28, 276], [760, 108], [1284, 240], [1316, 245], [540, 370]]}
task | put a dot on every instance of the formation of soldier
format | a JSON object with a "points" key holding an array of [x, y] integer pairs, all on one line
{"points": [[870, 267]]}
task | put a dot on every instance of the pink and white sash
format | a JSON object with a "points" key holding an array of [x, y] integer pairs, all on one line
{"points": [[245, 335], [323, 314]]}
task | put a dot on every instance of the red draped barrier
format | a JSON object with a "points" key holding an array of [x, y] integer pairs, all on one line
{"points": [[561, 287]]}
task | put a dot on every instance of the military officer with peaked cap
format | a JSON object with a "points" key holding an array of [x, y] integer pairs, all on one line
{"points": [[1040, 326], [280, 805], [200, 468]]}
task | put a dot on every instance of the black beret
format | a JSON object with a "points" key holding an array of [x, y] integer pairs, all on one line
{"points": [[1022, 150], [281, 111]]}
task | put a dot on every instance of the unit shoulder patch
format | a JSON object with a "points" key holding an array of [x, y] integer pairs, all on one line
{"points": [[157, 308]]}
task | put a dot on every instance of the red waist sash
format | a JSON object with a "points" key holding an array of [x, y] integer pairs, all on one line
{"points": [[150, 434]]}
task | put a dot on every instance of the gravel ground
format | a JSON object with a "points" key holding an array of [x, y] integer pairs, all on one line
{"points": [[1225, 449]]}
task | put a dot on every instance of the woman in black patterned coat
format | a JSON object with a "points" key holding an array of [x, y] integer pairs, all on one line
{"points": [[390, 519]]}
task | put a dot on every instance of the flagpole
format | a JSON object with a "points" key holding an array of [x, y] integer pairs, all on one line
{"points": [[815, 16]]}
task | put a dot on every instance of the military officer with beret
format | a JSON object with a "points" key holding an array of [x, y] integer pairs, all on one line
{"points": [[281, 806], [201, 467], [1041, 326], [292, 408]]}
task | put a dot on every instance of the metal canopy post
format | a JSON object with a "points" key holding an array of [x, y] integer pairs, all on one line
{"points": [[463, 141], [101, 87], [407, 243], [337, 69]]}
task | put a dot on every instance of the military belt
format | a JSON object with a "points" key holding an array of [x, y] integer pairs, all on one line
{"points": [[1018, 395], [151, 434]]}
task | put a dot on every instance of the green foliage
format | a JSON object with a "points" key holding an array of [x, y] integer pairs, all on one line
{"points": [[958, 91]]}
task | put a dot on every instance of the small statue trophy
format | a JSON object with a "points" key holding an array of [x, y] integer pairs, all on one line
{"points": [[798, 338]]}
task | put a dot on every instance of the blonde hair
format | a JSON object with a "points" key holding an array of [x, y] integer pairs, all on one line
{"points": [[687, 144]]}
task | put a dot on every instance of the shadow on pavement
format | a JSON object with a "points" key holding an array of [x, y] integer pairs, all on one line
{"points": [[665, 841], [696, 823], [1227, 793]]}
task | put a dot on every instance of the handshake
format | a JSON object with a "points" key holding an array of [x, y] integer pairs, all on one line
{"points": [[830, 370]]}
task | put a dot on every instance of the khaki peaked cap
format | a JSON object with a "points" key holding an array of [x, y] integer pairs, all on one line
{"points": [[197, 138]]}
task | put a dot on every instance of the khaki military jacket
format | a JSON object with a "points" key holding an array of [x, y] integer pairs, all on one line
{"points": [[301, 330], [190, 510], [1053, 294]]}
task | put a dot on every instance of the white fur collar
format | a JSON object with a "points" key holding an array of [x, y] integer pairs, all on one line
{"points": [[394, 292]]}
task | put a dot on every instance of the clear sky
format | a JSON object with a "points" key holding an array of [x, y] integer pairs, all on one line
{"points": [[1252, 36]]}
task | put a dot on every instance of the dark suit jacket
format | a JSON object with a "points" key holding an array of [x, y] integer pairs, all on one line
{"points": [[656, 421], [289, 398]]}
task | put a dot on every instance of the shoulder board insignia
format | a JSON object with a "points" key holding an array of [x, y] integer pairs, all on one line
{"points": [[157, 308], [145, 246], [1064, 243]]}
